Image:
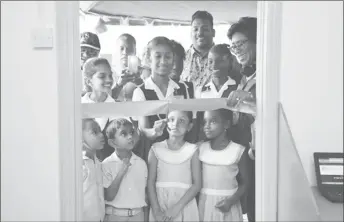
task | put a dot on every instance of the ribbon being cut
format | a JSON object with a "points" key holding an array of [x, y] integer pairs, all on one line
{"points": [[146, 108]]}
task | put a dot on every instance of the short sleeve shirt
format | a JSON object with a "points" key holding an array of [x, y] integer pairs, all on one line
{"points": [[94, 208], [131, 193], [196, 68]]}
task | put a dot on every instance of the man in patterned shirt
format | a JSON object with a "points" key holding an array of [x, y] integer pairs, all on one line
{"points": [[196, 61]]}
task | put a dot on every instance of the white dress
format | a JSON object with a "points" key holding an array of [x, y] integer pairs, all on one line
{"points": [[220, 168], [174, 178]]}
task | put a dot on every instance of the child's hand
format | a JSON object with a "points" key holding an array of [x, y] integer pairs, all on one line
{"points": [[159, 216], [124, 78], [171, 213], [253, 133], [159, 127], [125, 166], [237, 96], [224, 205]]}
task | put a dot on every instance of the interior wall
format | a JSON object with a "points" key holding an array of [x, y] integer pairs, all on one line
{"points": [[29, 116], [295, 198], [312, 77]]}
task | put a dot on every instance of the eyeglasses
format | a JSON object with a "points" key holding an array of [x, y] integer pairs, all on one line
{"points": [[238, 45]]}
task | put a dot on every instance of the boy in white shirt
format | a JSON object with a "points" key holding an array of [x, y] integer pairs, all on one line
{"points": [[124, 175]]}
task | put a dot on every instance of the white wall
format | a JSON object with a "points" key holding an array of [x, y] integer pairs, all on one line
{"points": [[312, 77], [29, 114], [295, 198]]}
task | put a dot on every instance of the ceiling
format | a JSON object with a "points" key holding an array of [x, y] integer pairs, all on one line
{"points": [[222, 11]]}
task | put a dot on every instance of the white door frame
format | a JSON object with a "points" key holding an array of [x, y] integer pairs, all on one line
{"points": [[69, 85]]}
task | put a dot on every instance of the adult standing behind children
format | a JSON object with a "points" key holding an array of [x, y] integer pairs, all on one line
{"points": [[196, 61], [126, 81], [243, 38]]}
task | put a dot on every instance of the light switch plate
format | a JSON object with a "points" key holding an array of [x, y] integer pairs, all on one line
{"points": [[42, 38]]}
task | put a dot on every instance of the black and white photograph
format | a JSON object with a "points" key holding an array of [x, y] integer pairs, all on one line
{"points": [[177, 164], [162, 111]]}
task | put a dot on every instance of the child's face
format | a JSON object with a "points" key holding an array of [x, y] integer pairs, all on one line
{"points": [[86, 53], [218, 65], [102, 80], [124, 48], [161, 60], [214, 124], [177, 68], [178, 123], [126, 137], [93, 136]]}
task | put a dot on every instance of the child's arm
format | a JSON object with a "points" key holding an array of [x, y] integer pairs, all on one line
{"points": [[244, 180], [149, 131], [121, 81], [153, 199], [111, 192], [192, 191], [146, 208]]}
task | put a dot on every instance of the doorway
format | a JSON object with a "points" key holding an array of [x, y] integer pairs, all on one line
{"points": [[268, 37]]}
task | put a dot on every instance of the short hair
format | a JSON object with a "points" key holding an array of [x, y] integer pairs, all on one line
{"points": [[204, 15], [246, 26], [160, 40], [178, 49], [223, 50], [116, 124], [128, 37], [85, 122], [89, 69], [226, 114]]}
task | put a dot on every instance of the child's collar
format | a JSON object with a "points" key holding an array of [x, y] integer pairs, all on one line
{"points": [[99, 101], [86, 154]]}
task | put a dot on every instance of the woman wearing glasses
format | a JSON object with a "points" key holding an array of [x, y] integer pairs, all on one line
{"points": [[243, 36]]}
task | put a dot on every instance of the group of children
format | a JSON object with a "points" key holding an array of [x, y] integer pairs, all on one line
{"points": [[123, 188], [171, 177]]}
